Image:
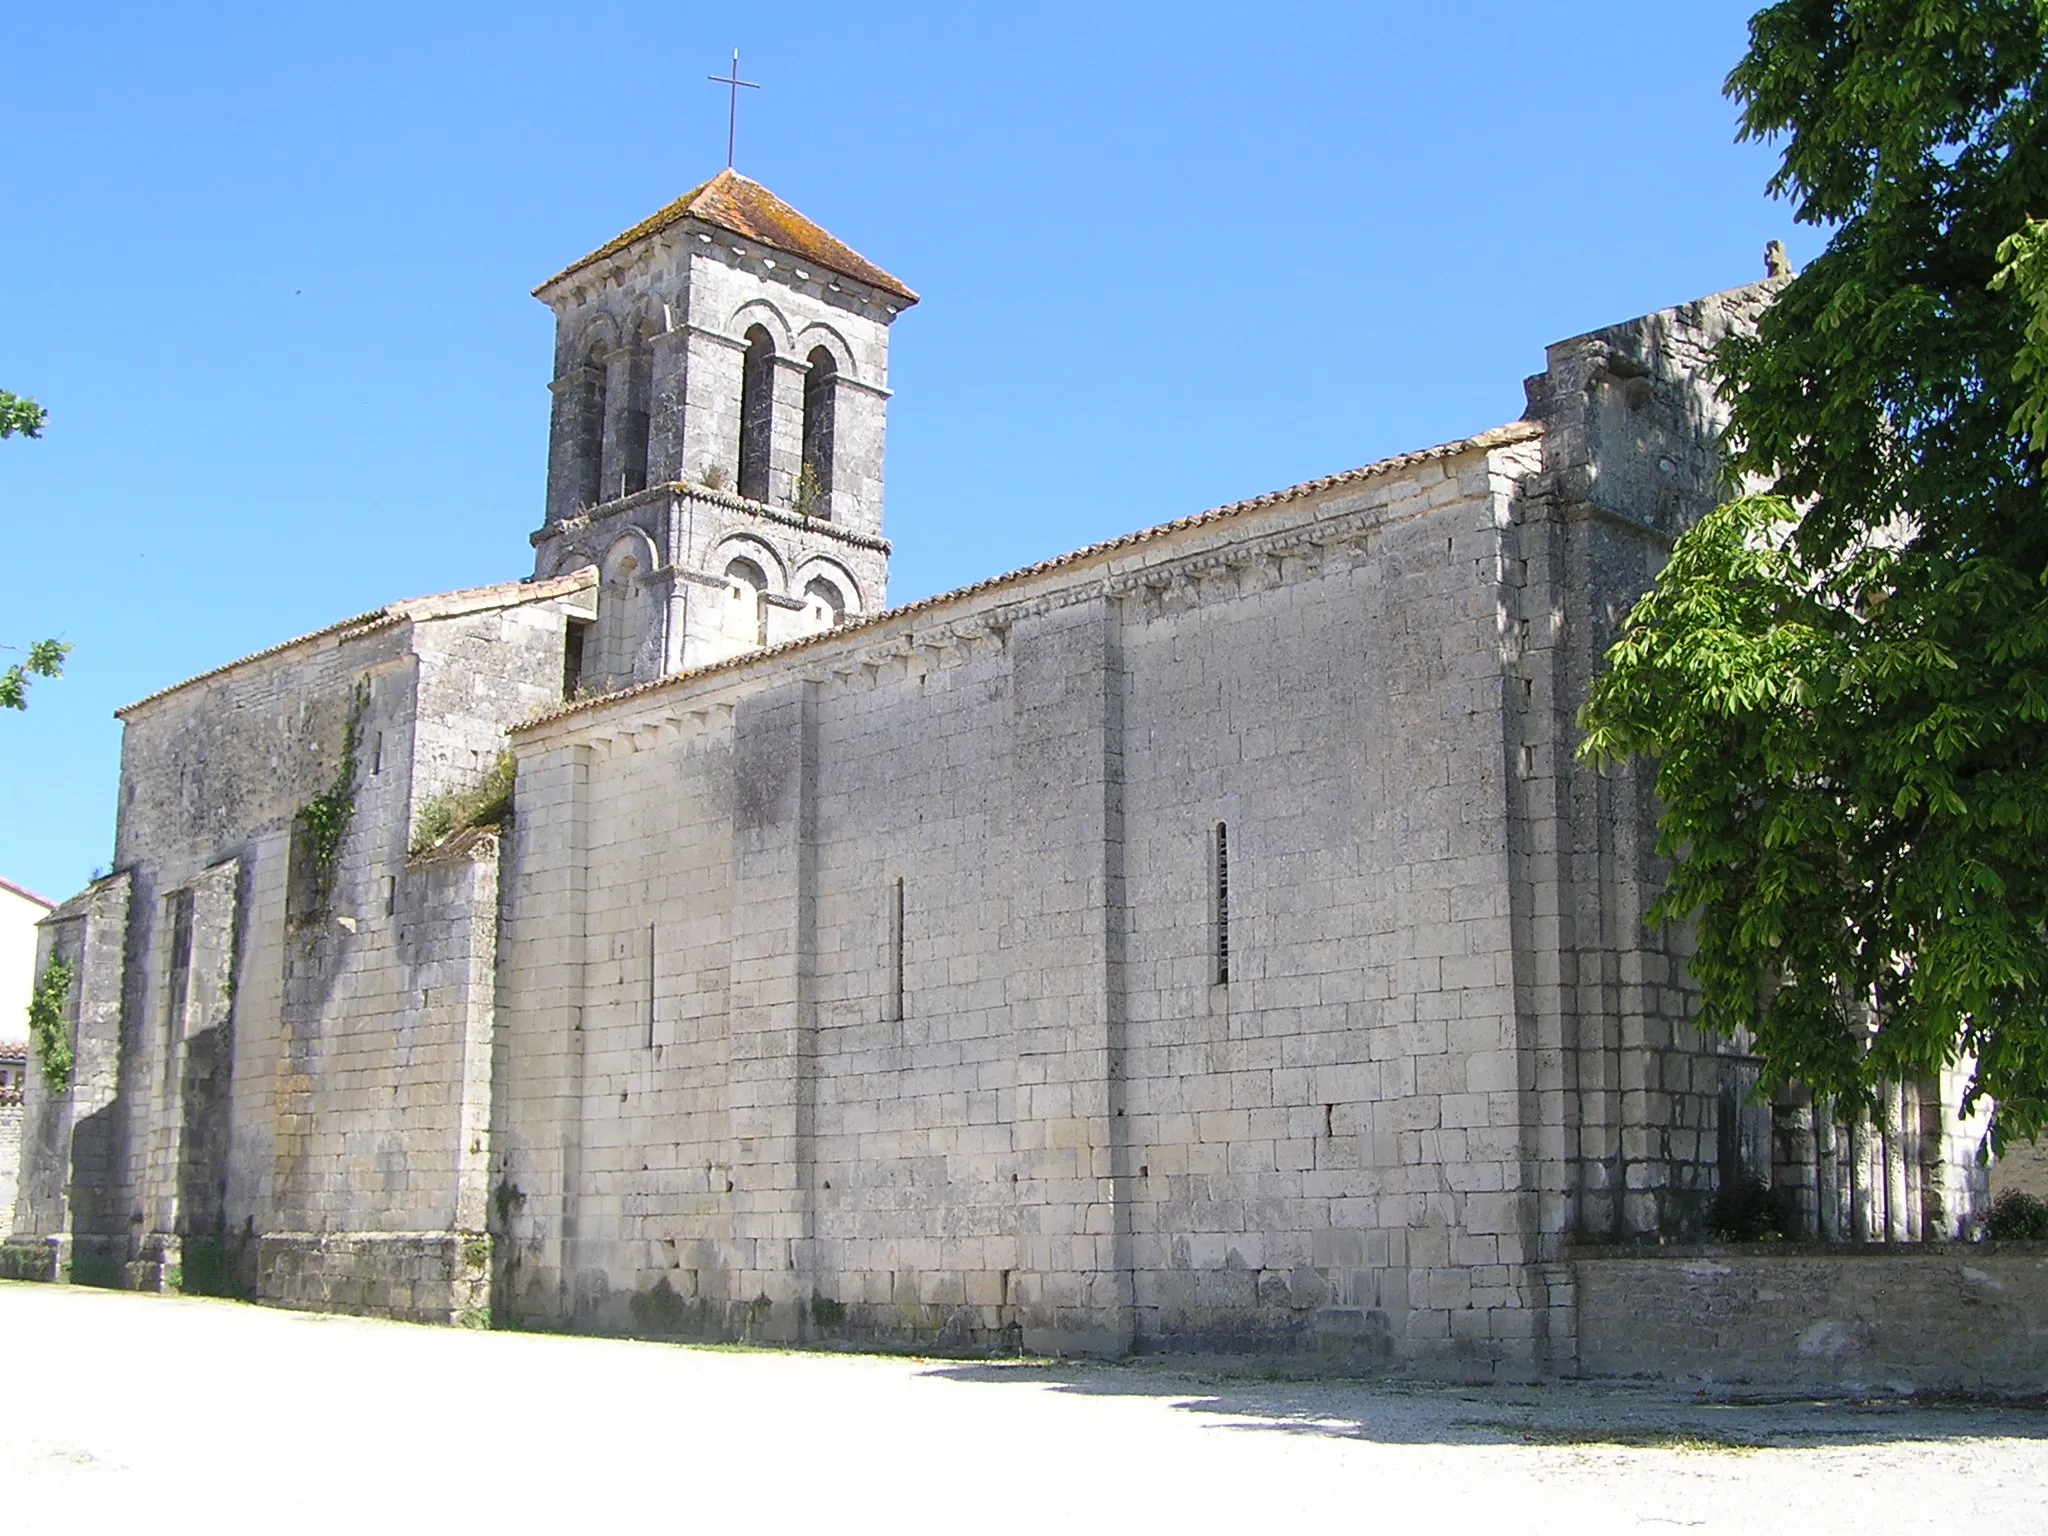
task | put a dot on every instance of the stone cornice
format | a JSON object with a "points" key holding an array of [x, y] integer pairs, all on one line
{"points": [[985, 612], [569, 527]]}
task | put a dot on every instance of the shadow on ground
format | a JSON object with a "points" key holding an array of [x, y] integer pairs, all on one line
{"points": [[1591, 1415]]}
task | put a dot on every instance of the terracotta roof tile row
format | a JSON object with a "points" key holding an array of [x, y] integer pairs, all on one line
{"points": [[1497, 437], [732, 202], [502, 594]]}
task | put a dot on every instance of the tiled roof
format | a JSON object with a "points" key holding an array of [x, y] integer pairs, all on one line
{"points": [[1496, 437], [504, 594], [732, 202]]}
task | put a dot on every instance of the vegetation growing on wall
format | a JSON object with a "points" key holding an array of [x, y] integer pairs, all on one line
{"points": [[46, 1024], [1844, 684], [484, 804], [810, 490], [323, 822]]}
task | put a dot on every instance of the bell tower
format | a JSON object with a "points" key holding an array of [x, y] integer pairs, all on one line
{"points": [[721, 379]]}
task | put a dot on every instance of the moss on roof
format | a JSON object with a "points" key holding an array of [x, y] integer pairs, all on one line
{"points": [[732, 202]]}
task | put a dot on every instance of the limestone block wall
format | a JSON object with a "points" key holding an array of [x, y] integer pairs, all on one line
{"points": [[10, 1157], [217, 772], [73, 1140], [369, 1094], [1330, 1141], [874, 992], [1804, 1317], [1634, 1116], [276, 1045]]}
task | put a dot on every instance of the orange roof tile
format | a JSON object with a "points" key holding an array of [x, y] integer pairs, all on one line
{"points": [[732, 202]]}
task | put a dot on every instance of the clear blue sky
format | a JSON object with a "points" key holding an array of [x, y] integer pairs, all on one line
{"points": [[268, 267]]}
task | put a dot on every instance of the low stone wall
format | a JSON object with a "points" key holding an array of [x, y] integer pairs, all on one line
{"points": [[414, 1277], [10, 1154], [1814, 1317], [34, 1258], [2023, 1166]]}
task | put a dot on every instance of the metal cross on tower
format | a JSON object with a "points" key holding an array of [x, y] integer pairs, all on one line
{"points": [[732, 116]]}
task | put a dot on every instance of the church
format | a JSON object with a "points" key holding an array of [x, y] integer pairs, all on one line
{"points": [[1202, 941]]}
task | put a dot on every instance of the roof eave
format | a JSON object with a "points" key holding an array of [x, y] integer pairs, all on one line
{"points": [[893, 292]]}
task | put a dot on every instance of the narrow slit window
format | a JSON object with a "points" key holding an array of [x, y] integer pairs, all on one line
{"points": [[390, 894], [894, 999], [650, 986], [377, 756], [1222, 904]]}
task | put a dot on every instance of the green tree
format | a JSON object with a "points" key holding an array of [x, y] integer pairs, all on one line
{"points": [[46, 657], [20, 414], [1844, 683]]}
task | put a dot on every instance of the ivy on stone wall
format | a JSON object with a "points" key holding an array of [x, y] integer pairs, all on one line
{"points": [[324, 820], [46, 1025]]}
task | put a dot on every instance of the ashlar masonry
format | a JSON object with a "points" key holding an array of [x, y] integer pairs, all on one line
{"points": [[1205, 940]]}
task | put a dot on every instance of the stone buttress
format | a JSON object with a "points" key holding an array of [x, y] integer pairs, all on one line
{"points": [[1205, 941]]}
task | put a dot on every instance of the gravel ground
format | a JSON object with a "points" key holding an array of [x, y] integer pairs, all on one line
{"points": [[130, 1412]]}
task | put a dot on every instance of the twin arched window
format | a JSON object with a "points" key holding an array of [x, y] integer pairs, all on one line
{"points": [[613, 438], [811, 491]]}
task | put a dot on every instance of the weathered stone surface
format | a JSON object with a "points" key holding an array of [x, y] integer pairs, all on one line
{"points": [[1799, 1317], [1202, 942]]}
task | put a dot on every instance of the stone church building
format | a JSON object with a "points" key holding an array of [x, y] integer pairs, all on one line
{"points": [[1204, 940]]}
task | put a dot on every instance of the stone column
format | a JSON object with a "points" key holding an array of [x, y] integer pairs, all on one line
{"points": [[1894, 1146], [710, 380], [859, 415], [668, 396], [1793, 1161], [786, 437], [575, 434], [618, 402]]}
